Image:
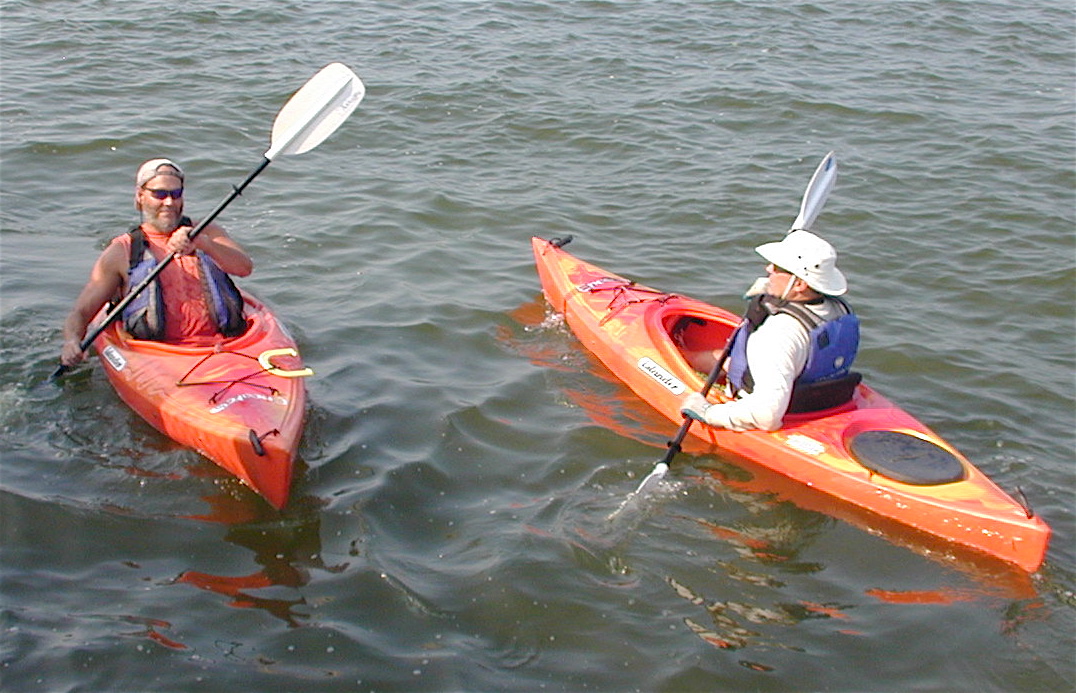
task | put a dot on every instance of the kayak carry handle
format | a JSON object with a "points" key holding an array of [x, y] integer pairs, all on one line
{"points": [[256, 441], [1025, 503], [265, 359]]}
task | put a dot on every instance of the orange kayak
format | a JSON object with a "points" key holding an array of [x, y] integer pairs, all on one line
{"points": [[867, 452], [240, 403]]}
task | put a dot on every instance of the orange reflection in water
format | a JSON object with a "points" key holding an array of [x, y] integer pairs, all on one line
{"points": [[287, 544]]}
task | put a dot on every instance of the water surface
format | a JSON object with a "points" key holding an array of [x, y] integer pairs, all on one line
{"points": [[447, 531]]}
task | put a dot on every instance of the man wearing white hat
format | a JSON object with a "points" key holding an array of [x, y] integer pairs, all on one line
{"points": [[797, 340], [192, 301]]}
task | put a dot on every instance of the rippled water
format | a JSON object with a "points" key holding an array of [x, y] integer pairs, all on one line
{"points": [[448, 529]]}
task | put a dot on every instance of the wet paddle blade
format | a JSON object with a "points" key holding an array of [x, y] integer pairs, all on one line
{"points": [[316, 110], [652, 479]]}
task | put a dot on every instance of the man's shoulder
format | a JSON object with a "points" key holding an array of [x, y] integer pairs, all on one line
{"points": [[115, 255], [818, 311], [783, 326]]}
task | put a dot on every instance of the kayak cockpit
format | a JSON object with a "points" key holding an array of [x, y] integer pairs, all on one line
{"points": [[691, 332]]}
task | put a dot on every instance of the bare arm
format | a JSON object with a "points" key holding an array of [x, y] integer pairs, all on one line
{"points": [[106, 281]]}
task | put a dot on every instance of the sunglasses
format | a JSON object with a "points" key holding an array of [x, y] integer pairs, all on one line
{"points": [[164, 194]]}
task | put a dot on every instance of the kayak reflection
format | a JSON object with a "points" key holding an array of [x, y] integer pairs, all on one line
{"points": [[286, 545]]}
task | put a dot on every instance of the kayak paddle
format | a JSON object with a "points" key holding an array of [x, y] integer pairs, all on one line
{"points": [[658, 473], [313, 113], [814, 198]]}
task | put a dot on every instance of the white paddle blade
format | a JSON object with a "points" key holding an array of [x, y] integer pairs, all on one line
{"points": [[652, 479], [814, 198], [316, 110]]}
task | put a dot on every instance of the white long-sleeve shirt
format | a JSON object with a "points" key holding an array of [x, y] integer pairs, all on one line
{"points": [[776, 354]]}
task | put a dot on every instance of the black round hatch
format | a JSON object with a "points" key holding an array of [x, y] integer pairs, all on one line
{"points": [[906, 458]]}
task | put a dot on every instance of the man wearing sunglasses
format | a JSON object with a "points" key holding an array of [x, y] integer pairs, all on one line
{"points": [[794, 350], [193, 300]]}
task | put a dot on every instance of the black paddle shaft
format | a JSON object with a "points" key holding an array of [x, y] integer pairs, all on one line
{"points": [[674, 444], [118, 309]]}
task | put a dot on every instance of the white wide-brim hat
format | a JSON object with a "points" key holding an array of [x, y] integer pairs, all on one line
{"points": [[808, 257]]}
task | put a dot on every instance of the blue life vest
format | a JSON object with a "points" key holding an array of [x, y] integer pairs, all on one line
{"points": [[833, 343], [144, 317]]}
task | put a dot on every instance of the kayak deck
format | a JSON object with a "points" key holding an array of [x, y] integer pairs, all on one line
{"points": [[241, 402], [866, 451]]}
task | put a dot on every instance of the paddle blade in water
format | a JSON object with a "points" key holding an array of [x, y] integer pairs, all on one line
{"points": [[316, 110], [652, 479], [814, 198]]}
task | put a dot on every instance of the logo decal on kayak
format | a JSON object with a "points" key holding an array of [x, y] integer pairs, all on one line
{"points": [[671, 382], [282, 401], [804, 444], [114, 358], [597, 284]]}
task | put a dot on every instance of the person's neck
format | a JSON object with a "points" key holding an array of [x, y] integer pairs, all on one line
{"points": [[804, 296]]}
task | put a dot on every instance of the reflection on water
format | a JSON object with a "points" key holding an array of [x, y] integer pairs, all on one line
{"points": [[285, 544]]}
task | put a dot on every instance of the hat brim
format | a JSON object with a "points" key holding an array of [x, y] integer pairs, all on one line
{"points": [[829, 281]]}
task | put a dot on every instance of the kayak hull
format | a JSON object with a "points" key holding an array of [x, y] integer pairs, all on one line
{"points": [[241, 402], [629, 327]]}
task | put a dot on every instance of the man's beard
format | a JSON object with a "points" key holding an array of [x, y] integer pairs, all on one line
{"points": [[163, 223]]}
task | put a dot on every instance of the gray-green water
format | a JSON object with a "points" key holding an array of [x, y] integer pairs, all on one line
{"points": [[462, 452]]}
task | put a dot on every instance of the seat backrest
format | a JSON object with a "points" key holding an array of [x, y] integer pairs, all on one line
{"points": [[823, 395]]}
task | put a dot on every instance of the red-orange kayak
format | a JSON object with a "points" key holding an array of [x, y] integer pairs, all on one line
{"points": [[240, 403], [867, 452]]}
